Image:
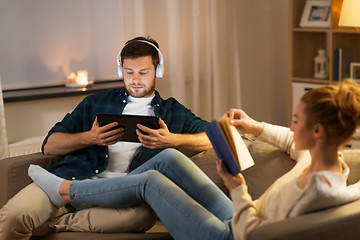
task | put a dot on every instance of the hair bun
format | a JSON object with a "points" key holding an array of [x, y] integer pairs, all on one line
{"points": [[348, 101]]}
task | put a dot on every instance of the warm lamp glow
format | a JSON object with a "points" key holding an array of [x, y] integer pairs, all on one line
{"points": [[82, 77], [350, 13], [79, 80], [72, 78]]}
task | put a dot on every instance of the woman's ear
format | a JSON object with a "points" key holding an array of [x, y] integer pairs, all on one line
{"points": [[318, 130]]}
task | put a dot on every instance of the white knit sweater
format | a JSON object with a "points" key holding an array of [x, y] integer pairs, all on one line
{"points": [[284, 199]]}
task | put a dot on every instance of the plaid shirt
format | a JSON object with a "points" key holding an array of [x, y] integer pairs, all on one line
{"points": [[90, 161]]}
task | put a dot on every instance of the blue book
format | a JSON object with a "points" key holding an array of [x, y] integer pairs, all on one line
{"points": [[336, 65], [229, 146]]}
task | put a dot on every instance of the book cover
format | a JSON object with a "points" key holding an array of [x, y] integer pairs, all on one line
{"points": [[339, 65], [229, 146], [336, 65]]}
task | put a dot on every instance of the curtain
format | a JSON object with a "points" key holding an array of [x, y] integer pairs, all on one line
{"points": [[199, 42], [4, 151]]}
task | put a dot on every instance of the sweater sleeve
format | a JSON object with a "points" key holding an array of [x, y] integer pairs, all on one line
{"points": [[245, 218], [282, 138]]}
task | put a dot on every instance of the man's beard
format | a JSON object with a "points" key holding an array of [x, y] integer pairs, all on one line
{"points": [[142, 92]]}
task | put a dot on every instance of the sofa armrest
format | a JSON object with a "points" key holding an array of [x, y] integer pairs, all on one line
{"points": [[13, 172], [335, 223]]}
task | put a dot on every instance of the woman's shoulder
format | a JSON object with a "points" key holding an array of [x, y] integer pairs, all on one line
{"points": [[325, 189]]}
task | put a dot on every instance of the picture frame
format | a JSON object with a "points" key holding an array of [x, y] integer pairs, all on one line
{"points": [[355, 71], [316, 13]]}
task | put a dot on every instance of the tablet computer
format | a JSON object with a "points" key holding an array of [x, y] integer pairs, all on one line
{"points": [[128, 122]]}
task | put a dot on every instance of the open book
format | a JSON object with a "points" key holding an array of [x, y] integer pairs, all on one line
{"points": [[228, 145]]}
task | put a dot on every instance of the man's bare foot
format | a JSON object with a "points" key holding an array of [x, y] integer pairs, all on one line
{"points": [[64, 190]]}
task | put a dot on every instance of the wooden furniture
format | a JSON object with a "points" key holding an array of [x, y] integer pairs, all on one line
{"points": [[57, 91], [305, 42]]}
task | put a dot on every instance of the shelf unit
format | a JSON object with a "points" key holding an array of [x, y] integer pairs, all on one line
{"points": [[305, 42]]}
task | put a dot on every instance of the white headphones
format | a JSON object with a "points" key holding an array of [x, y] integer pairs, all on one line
{"points": [[159, 67]]}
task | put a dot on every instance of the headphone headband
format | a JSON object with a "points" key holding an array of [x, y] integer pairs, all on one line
{"points": [[159, 67]]}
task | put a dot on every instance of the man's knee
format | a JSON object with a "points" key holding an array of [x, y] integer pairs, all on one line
{"points": [[171, 157], [145, 217], [172, 153], [27, 210]]}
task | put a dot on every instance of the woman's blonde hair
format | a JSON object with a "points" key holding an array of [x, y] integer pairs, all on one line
{"points": [[336, 108]]}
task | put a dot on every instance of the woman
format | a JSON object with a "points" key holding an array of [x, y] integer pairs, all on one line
{"points": [[192, 207]]}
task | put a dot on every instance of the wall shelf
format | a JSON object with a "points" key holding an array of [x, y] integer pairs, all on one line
{"points": [[28, 94], [305, 42]]}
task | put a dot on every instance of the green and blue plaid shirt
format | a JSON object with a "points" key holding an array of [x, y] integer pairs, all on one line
{"points": [[94, 159]]}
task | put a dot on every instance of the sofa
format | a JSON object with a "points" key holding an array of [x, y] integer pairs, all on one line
{"points": [[341, 222]]}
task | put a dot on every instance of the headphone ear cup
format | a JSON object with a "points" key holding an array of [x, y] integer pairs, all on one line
{"points": [[120, 71], [160, 71]]}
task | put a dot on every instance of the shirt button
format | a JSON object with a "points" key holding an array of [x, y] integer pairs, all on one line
{"points": [[96, 171], [157, 105], [124, 101], [73, 178], [106, 156]]}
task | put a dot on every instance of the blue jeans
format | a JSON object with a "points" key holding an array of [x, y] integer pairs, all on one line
{"points": [[187, 202]]}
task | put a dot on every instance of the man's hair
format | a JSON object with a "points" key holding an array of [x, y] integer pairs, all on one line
{"points": [[135, 48]]}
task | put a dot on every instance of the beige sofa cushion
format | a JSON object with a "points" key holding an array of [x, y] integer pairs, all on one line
{"points": [[270, 164], [352, 159]]}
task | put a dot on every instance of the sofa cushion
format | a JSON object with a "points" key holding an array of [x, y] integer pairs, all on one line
{"points": [[206, 162], [331, 224], [13, 172], [104, 236], [158, 231], [352, 159], [270, 164]]}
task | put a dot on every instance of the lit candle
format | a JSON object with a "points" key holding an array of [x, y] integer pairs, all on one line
{"points": [[82, 77], [72, 78]]}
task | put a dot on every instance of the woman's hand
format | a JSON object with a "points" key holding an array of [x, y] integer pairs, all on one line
{"points": [[244, 123], [230, 181]]}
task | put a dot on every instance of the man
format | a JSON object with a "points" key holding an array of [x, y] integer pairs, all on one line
{"points": [[92, 151]]}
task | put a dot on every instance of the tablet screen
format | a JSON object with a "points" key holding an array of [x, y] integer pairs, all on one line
{"points": [[128, 122]]}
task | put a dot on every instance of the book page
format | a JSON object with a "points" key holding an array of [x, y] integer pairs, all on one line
{"points": [[242, 153], [224, 124], [236, 143]]}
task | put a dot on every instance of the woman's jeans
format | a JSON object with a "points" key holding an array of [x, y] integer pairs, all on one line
{"points": [[187, 202]]}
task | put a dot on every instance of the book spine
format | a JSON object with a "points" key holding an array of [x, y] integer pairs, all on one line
{"points": [[340, 64], [221, 147], [336, 65]]}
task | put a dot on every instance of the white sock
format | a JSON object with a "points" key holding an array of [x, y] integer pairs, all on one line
{"points": [[48, 182]]}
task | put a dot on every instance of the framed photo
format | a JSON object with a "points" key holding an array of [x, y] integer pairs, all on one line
{"points": [[355, 71], [317, 13]]}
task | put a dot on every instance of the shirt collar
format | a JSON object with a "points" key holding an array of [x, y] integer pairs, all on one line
{"points": [[157, 100], [123, 93]]}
